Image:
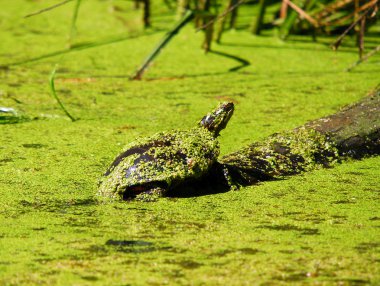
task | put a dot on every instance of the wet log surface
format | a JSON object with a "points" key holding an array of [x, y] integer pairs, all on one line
{"points": [[356, 129], [353, 132]]}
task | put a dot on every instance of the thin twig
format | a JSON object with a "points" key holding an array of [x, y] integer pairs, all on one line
{"points": [[302, 13], [233, 17], [52, 88], [363, 59], [146, 14], [73, 28], [78, 47], [257, 25], [337, 43], [331, 8], [349, 16], [164, 41], [230, 9], [361, 37], [47, 8], [283, 10]]}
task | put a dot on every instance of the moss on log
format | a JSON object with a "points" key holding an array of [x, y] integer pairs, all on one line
{"points": [[352, 132]]}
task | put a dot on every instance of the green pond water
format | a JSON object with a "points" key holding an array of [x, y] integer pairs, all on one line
{"points": [[317, 228]]}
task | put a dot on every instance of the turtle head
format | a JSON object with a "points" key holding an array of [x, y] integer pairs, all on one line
{"points": [[217, 120]]}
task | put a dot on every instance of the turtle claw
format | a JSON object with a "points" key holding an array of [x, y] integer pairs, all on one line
{"points": [[151, 195]]}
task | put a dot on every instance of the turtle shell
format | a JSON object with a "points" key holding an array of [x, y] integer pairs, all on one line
{"points": [[164, 160]]}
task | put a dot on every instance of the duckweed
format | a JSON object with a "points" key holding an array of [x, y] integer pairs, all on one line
{"points": [[316, 228]]}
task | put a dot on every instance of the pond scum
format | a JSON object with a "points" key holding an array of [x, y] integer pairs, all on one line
{"points": [[316, 228]]}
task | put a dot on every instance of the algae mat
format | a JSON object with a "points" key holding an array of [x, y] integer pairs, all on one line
{"points": [[318, 228]]}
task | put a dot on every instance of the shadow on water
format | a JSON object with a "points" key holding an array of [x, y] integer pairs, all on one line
{"points": [[352, 281], [8, 160], [164, 78], [131, 246], [90, 278], [81, 46], [209, 185], [244, 250], [291, 277], [243, 62], [300, 276], [289, 227], [129, 243], [285, 47], [287, 75], [216, 183], [57, 205], [189, 264], [196, 189], [34, 145], [370, 247], [177, 77]]}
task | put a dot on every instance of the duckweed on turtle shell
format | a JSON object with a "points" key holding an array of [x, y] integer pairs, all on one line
{"points": [[167, 157]]}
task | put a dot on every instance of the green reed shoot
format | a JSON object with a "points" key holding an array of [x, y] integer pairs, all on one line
{"points": [[54, 93]]}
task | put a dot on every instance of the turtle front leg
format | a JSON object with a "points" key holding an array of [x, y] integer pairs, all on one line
{"points": [[151, 195], [222, 174], [228, 179]]}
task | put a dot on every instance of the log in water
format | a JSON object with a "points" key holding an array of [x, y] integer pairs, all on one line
{"points": [[353, 132]]}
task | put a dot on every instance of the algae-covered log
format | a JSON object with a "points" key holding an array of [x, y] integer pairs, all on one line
{"points": [[352, 132]]}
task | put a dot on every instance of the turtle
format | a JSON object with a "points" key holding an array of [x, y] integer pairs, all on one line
{"points": [[148, 167]]}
